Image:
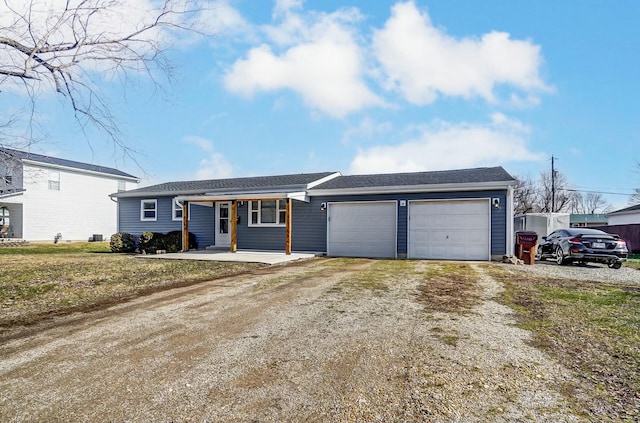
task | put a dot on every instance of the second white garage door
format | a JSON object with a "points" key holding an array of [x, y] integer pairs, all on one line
{"points": [[365, 229], [449, 230]]}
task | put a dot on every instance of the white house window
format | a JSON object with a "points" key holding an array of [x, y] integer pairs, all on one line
{"points": [[149, 210], [176, 210], [267, 212], [4, 217], [54, 180], [122, 186]]}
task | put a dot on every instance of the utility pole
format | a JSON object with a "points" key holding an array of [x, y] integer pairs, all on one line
{"points": [[553, 186]]}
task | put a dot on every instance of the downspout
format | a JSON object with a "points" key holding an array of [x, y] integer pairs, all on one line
{"points": [[510, 233], [115, 200]]}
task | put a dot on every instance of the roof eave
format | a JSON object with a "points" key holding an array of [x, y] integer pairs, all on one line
{"points": [[12, 194], [479, 186], [323, 180], [623, 213], [218, 192], [137, 193], [77, 169], [295, 195]]}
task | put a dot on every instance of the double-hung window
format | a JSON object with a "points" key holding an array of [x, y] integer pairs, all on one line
{"points": [[149, 210], [176, 210], [54, 180], [267, 213]]}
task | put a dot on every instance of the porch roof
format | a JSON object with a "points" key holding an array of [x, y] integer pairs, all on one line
{"points": [[245, 196], [12, 196]]}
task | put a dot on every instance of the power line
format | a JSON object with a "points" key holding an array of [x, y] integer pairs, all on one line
{"points": [[598, 192]]}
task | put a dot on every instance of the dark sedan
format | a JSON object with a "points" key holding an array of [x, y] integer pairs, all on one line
{"points": [[582, 245]]}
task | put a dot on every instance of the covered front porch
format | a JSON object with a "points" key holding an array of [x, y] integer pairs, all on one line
{"points": [[11, 215], [227, 218]]}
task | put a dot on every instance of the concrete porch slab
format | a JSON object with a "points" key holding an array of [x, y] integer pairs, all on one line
{"points": [[266, 257]]}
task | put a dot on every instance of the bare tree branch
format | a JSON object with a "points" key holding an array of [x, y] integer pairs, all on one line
{"points": [[73, 46], [535, 197]]}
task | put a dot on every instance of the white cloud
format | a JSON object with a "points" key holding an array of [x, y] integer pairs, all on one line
{"points": [[215, 165], [422, 61], [366, 128], [219, 17], [451, 146], [322, 62], [282, 7]]}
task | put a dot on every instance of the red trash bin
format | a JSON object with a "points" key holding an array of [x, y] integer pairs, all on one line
{"points": [[526, 244]]}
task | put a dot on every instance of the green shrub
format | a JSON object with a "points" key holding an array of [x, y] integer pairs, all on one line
{"points": [[122, 242], [174, 241], [150, 242]]}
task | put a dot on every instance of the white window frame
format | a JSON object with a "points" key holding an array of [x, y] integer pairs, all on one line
{"points": [[175, 207], [155, 210], [122, 186], [54, 180], [258, 210]]}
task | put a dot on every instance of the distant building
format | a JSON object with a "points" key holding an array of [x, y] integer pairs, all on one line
{"points": [[626, 216], [588, 220], [43, 198]]}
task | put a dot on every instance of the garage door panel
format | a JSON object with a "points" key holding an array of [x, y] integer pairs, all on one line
{"points": [[365, 229], [449, 230]]}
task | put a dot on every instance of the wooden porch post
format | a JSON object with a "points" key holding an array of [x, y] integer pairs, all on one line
{"points": [[287, 245], [185, 226], [234, 220]]}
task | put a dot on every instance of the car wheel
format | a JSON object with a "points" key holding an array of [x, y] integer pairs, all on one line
{"points": [[615, 265], [559, 256]]}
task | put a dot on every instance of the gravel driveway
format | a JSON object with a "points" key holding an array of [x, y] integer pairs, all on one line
{"points": [[590, 272], [289, 343]]}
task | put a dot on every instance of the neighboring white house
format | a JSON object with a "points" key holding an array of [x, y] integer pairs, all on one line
{"points": [[43, 197], [627, 216]]}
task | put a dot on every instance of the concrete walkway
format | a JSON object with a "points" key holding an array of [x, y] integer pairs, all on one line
{"points": [[267, 257]]}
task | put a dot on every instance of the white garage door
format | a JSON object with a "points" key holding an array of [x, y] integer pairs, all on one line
{"points": [[366, 229], [449, 230]]}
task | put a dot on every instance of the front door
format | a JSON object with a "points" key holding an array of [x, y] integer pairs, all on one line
{"points": [[223, 225]]}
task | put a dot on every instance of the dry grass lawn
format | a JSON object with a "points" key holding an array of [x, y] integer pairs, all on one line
{"points": [[593, 329], [41, 281]]}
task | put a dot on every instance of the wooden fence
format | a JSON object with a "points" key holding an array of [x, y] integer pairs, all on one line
{"points": [[630, 233]]}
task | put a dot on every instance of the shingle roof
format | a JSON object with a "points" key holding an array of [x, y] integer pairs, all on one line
{"points": [[462, 176], [626, 210], [24, 155], [259, 183]]}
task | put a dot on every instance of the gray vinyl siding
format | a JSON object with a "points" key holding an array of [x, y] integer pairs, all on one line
{"points": [[309, 222], [201, 223], [309, 226], [314, 233], [309, 230], [257, 237]]}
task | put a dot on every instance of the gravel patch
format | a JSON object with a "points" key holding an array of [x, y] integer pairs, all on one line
{"points": [[590, 272], [301, 343]]}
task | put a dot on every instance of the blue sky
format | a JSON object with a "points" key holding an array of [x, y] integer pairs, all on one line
{"points": [[295, 86]]}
